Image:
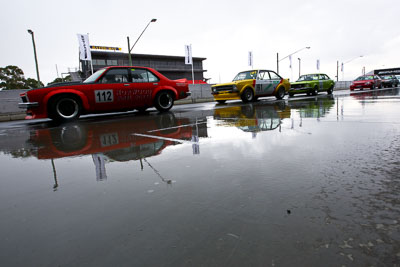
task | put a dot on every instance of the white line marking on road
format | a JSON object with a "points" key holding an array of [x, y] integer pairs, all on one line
{"points": [[180, 126], [166, 138]]}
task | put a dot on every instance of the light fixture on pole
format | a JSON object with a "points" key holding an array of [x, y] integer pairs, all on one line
{"points": [[36, 61], [279, 60], [129, 46], [346, 63]]}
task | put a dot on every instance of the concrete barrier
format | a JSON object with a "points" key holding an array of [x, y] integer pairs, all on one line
{"points": [[200, 91], [342, 85], [9, 109]]}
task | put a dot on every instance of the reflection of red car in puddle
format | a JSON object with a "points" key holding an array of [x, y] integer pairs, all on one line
{"points": [[375, 94], [115, 138]]}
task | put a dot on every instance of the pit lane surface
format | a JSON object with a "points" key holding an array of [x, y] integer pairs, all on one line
{"points": [[307, 181]]}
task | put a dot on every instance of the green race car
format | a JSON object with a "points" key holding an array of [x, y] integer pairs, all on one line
{"points": [[311, 84]]}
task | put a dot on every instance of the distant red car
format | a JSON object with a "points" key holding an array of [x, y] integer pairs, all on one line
{"points": [[107, 90], [366, 81]]}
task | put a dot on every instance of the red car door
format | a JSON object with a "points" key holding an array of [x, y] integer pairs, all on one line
{"points": [[144, 83], [111, 90]]}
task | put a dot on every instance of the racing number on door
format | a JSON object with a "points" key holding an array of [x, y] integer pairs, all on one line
{"points": [[104, 96]]}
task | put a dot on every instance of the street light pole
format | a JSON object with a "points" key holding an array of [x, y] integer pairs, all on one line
{"points": [[337, 70], [299, 65], [34, 51], [130, 48], [346, 63], [279, 60], [277, 63]]}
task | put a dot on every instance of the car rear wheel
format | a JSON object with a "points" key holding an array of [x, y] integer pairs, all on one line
{"points": [[65, 108], [315, 91], [280, 93], [291, 94], [164, 101], [330, 90], [248, 95]]}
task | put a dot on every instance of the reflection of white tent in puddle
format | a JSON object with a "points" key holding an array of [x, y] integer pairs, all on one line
{"points": [[98, 160]]}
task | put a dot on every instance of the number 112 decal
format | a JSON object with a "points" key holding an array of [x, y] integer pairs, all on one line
{"points": [[104, 96]]}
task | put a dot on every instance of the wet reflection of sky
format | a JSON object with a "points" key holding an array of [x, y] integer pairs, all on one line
{"points": [[235, 197]]}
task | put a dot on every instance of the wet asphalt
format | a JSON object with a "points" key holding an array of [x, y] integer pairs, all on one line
{"points": [[306, 181]]}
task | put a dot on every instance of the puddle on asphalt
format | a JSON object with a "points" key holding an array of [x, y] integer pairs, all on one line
{"points": [[241, 184]]}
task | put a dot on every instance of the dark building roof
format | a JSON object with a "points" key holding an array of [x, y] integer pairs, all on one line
{"points": [[173, 67]]}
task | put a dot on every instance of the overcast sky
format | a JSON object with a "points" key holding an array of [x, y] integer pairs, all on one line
{"points": [[221, 31]]}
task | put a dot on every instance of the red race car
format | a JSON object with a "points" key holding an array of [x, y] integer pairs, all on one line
{"points": [[107, 90], [367, 81]]}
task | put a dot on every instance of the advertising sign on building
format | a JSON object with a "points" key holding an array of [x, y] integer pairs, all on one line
{"points": [[99, 47]]}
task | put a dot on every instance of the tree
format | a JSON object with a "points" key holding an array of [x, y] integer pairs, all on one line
{"points": [[12, 77], [60, 80], [32, 83]]}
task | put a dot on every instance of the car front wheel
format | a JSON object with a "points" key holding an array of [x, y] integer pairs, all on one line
{"points": [[65, 108], [248, 95], [164, 101]]}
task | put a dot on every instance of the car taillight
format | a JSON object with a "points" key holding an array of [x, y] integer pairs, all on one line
{"points": [[24, 97]]}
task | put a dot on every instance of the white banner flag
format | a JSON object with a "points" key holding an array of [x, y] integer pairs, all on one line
{"points": [[250, 60], [342, 67], [317, 64], [290, 61], [188, 55], [84, 47]]}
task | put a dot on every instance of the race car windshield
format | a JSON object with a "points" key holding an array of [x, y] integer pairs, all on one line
{"points": [[361, 78], [307, 78], [94, 76], [245, 75]]}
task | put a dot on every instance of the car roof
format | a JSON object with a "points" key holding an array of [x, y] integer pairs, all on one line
{"points": [[313, 74], [257, 70]]}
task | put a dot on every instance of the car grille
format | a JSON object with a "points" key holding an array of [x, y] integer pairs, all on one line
{"points": [[297, 85], [222, 88]]}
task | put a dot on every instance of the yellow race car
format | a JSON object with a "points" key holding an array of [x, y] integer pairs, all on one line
{"points": [[250, 85]]}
